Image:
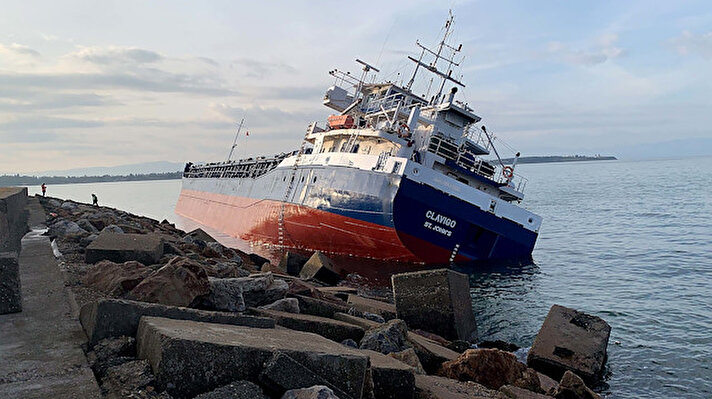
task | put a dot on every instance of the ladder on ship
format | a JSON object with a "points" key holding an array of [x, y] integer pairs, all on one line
{"points": [[281, 232]]}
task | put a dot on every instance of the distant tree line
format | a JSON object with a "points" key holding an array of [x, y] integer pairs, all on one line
{"points": [[19, 180]]}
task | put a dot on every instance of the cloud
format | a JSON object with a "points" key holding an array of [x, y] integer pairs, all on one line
{"points": [[603, 50], [32, 100], [113, 55], [691, 43], [260, 69]]}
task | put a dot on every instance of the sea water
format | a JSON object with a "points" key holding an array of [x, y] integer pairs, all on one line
{"points": [[628, 241]]}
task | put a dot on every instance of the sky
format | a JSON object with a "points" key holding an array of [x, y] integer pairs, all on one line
{"points": [[87, 83]]}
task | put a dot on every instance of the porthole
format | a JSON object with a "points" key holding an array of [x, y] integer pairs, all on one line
{"points": [[531, 220]]}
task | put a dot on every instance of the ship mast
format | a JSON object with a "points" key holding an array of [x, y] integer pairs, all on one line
{"points": [[433, 66], [234, 142]]}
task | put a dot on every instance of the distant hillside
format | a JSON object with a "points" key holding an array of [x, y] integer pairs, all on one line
{"points": [[559, 158], [119, 170], [18, 180]]}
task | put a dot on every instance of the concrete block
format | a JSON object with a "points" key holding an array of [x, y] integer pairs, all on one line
{"points": [[392, 379], [119, 248], [115, 317], [190, 357], [292, 263], [359, 321], [431, 354], [328, 328], [282, 373], [384, 309], [437, 301], [320, 307], [320, 267], [13, 218], [570, 340], [10, 288], [432, 387], [513, 392]]}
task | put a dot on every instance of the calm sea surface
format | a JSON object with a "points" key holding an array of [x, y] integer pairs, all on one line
{"points": [[630, 242]]}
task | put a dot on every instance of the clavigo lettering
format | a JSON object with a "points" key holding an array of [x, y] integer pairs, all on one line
{"points": [[438, 218]]}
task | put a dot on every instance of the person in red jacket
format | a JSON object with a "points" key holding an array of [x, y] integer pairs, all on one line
{"points": [[44, 189]]}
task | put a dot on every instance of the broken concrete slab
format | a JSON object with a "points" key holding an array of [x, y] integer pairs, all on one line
{"points": [[282, 373], [191, 357], [392, 379], [409, 357], [320, 267], [200, 234], [570, 340], [320, 307], [433, 387], [10, 288], [513, 392], [431, 354], [115, 317], [437, 301], [355, 320], [13, 218], [332, 329], [119, 248], [384, 309]]}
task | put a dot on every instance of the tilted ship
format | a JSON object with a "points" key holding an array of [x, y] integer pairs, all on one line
{"points": [[392, 176]]}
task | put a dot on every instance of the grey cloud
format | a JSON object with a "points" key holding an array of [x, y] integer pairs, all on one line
{"points": [[28, 100], [26, 124], [259, 69], [691, 43], [117, 55], [591, 56], [152, 81], [17, 137], [20, 49]]}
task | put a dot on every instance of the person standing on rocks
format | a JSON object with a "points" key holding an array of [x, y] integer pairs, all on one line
{"points": [[94, 200], [44, 189]]}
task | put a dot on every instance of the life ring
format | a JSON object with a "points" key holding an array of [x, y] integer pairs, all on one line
{"points": [[508, 172], [404, 130]]}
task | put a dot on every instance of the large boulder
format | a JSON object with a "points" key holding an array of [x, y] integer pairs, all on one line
{"points": [[234, 294], [386, 338], [223, 296], [144, 248], [10, 289], [492, 368], [570, 340], [116, 279], [63, 228], [437, 301], [320, 267], [225, 269], [178, 283], [572, 386]]}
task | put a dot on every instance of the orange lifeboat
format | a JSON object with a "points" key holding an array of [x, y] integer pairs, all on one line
{"points": [[341, 121]]}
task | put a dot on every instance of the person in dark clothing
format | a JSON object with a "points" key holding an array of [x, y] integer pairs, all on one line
{"points": [[94, 200], [44, 189]]}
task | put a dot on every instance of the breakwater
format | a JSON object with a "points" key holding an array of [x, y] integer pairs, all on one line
{"points": [[173, 313]]}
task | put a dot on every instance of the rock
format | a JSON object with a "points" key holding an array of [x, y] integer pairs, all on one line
{"points": [[69, 206], [367, 305], [315, 392], [111, 352], [257, 260], [498, 344], [572, 386], [548, 384], [386, 338], [431, 354], [190, 357], [235, 390], [270, 268], [85, 241], [112, 228], [86, 225], [433, 337], [339, 292], [492, 368], [114, 317], [199, 234], [178, 283], [350, 343], [10, 288], [355, 320], [433, 387], [102, 219], [289, 305], [223, 296], [227, 269], [520, 393], [255, 291], [373, 317], [409, 357], [116, 279], [437, 301], [320, 267], [122, 380], [332, 329], [292, 263], [283, 373], [459, 346], [570, 340], [63, 228], [144, 248], [320, 307]]}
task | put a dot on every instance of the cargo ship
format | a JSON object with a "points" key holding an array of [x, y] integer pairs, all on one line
{"points": [[391, 175]]}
